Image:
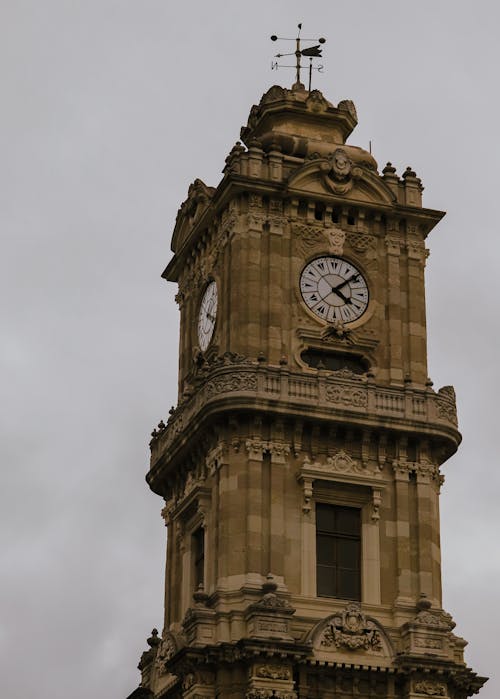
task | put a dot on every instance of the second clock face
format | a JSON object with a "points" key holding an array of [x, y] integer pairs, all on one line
{"points": [[334, 289], [207, 316]]}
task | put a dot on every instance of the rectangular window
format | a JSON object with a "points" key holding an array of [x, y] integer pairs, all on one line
{"points": [[338, 551], [199, 557]]}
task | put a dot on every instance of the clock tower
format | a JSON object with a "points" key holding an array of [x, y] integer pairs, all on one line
{"points": [[300, 469]]}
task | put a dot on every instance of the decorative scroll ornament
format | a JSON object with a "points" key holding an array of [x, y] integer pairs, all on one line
{"points": [[352, 630]]}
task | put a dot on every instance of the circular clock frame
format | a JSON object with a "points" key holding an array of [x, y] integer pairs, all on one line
{"points": [[207, 315], [334, 289]]}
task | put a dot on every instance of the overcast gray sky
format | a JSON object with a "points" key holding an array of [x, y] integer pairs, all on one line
{"points": [[109, 109]]}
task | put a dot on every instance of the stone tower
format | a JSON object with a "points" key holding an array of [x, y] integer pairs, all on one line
{"points": [[300, 468]]}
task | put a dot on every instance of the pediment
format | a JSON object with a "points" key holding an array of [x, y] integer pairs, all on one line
{"points": [[340, 176], [190, 211]]}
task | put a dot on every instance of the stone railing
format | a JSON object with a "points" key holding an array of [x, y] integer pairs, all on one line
{"points": [[340, 394]]}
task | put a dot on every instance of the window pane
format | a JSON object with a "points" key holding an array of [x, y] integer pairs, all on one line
{"points": [[348, 584], [348, 520], [325, 518], [348, 553], [326, 581], [325, 549]]}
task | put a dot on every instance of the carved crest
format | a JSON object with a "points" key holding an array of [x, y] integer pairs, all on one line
{"points": [[351, 630], [341, 166]]}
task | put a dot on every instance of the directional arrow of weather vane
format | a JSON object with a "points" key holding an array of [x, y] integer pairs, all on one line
{"points": [[309, 52]]}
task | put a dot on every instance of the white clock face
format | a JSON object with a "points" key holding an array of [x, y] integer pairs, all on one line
{"points": [[334, 289], [207, 316]]}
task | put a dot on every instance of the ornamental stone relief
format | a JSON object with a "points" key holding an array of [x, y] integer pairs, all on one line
{"points": [[231, 382], [330, 237], [429, 688], [339, 463], [273, 672], [351, 630], [345, 395], [361, 242], [167, 649]]}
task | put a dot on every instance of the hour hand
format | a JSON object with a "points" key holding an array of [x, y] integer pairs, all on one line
{"points": [[345, 299], [346, 281]]}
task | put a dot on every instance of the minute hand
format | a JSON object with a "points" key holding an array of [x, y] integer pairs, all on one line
{"points": [[347, 281]]}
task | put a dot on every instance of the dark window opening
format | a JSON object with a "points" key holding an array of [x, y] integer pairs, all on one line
{"points": [[335, 216], [199, 557], [338, 551], [351, 218], [334, 361], [319, 212], [302, 209]]}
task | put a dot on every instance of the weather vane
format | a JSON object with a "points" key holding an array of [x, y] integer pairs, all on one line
{"points": [[310, 53]]}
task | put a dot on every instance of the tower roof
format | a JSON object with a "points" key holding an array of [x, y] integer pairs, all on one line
{"points": [[302, 122]]}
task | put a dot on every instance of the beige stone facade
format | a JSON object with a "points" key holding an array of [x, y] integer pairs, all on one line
{"points": [[284, 410]]}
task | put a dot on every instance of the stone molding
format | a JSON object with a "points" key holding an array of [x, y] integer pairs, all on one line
{"points": [[252, 382]]}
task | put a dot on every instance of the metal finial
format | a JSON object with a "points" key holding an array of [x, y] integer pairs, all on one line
{"points": [[310, 52]]}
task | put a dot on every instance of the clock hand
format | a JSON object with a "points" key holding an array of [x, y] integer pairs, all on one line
{"points": [[345, 299], [347, 281]]}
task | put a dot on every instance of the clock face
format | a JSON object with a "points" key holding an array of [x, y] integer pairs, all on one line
{"points": [[207, 316], [334, 289]]}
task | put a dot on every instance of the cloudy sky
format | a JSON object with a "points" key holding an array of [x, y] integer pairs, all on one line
{"points": [[109, 109]]}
